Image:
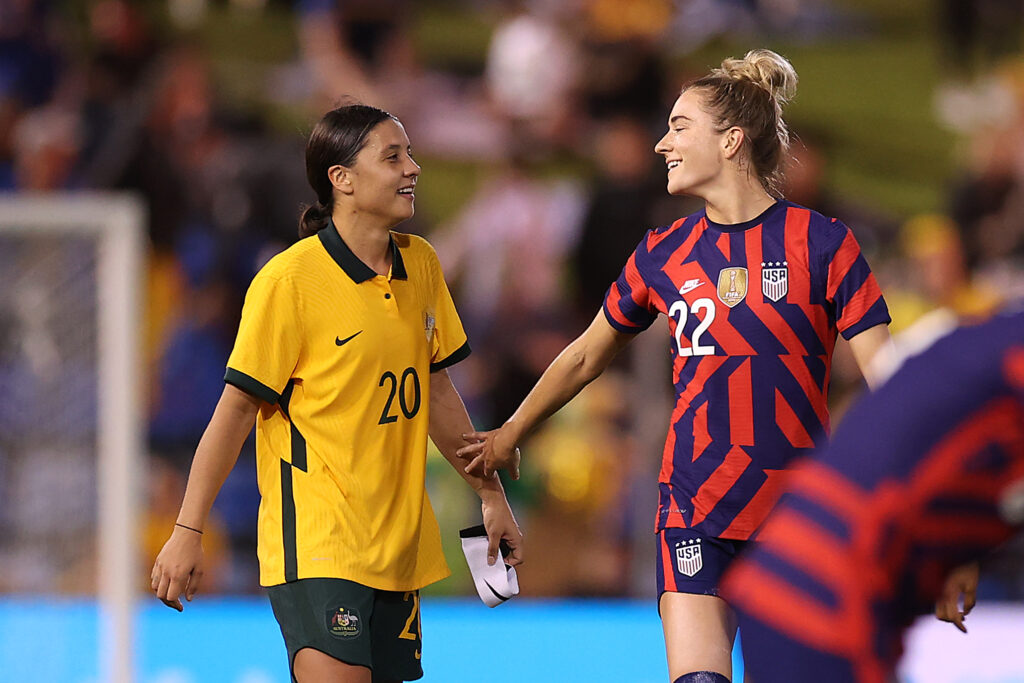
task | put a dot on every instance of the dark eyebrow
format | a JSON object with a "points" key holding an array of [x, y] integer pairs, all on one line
{"points": [[677, 117], [394, 148]]}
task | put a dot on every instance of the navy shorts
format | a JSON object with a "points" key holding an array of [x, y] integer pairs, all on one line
{"points": [[690, 562]]}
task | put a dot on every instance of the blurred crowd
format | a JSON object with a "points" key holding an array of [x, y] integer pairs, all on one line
{"points": [[539, 179]]}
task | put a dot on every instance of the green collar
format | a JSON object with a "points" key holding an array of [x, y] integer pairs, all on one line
{"points": [[350, 263]]}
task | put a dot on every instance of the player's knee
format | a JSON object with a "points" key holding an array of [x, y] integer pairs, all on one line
{"points": [[702, 677]]}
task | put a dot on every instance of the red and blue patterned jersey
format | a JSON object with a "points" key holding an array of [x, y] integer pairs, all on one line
{"points": [[754, 309], [923, 475]]}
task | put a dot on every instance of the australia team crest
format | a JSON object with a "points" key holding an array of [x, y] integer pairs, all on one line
{"points": [[429, 323], [774, 279], [343, 622], [732, 285], [689, 559]]}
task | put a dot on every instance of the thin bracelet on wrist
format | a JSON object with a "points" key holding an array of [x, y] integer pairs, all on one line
{"points": [[185, 526]]}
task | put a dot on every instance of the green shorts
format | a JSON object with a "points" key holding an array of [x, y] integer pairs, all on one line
{"points": [[353, 623]]}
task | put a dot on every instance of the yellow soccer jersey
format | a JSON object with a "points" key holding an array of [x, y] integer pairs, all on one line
{"points": [[342, 357]]}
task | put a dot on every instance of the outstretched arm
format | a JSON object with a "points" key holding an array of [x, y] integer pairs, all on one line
{"points": [[179, 566], [448, 422], [575, 367]]}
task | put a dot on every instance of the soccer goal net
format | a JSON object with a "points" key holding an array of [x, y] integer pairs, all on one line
{"points": [[70, 411]]}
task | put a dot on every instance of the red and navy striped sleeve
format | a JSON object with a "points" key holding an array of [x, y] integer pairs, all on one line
{"points": [[851, 288], [627, 305]]}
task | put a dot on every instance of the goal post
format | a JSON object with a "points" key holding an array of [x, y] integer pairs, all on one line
{"points": [[114, 223]]}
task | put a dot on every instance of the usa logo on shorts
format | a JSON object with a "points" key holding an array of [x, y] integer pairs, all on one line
{"points": [[688, 557]]}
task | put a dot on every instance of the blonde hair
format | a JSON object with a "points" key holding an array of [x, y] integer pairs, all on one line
{"points": [[750, 93]]}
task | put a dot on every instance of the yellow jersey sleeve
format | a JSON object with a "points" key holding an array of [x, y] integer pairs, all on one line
{"points": [[448, 340], [269, 338]]}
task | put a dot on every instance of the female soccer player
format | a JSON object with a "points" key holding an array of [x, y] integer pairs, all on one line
{"points": [[756, 289], [340, 361]]}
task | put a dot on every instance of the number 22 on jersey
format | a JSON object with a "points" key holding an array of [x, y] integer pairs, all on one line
{"points": [[684, 310]]}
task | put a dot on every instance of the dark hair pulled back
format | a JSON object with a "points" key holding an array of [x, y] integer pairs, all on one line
{"points": [[336, 140]]}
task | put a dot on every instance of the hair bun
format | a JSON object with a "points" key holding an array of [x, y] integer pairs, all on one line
{"points": [[765, 68]]}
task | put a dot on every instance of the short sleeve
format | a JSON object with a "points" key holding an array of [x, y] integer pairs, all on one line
{"points": [[627, 305], [269, 339], [448, 339], [851, 288]]}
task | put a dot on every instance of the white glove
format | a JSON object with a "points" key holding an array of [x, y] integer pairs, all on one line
{"points": [[495, 583]]}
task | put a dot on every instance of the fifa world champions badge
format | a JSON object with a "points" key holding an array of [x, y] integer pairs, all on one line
{"points": [[689, 559], [774, 279], [732, 285]]}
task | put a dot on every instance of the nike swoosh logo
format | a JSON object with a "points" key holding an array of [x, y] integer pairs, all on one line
{"points": [[417, 654], [498, 595], [690, 285], [339, 341]]}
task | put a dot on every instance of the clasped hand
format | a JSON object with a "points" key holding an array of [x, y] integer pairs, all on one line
{"points": [[489, 452]]}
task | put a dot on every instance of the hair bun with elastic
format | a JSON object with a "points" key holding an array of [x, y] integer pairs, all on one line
{"points": [[765, 68]]}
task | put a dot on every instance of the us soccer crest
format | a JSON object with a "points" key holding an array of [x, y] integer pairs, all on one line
{"points": [[689, 560], [343, 622], [774, 279], [732, 285]]}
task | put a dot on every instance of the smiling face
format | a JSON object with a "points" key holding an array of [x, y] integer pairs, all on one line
{"points": [[695, 152], [381, 181]]}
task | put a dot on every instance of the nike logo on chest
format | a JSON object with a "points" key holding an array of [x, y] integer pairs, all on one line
{"points": [[340, 342]]}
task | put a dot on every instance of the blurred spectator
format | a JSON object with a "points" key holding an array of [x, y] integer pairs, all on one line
{"points": [[987, 199], [507, 247], [806, 184], [934, 291], [35, 144], [974, 37], [115, 89], [533, 73], [355, 48], [978, 33], [625, 79], [624, 20], [190, 375], [699, 22], [178, 133], [365, 51], [506, 253], [30, 60], [938, 269], [625, 198], [45, 145], [625, 74]]}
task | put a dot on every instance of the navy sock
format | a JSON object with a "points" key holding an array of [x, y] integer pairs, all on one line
{"points": [[702, 677]]}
